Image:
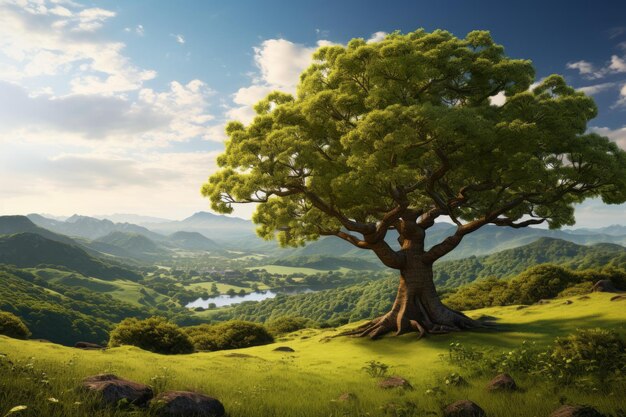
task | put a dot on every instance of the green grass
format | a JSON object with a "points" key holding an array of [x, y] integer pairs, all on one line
{"points": [[122, 290], [287, 270], [223, 288], [307, 382]]}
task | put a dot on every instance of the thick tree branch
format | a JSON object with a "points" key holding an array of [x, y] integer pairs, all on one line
{"points": [[383, 251]]}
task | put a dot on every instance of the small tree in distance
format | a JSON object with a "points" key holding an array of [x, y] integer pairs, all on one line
{"points": [[395, 134]]}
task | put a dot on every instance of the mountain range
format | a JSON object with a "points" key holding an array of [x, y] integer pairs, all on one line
{"points": [[204, 232]]}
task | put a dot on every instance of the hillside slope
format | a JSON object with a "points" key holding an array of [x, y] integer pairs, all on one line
{"points": [[30, 249], [261, 382]]}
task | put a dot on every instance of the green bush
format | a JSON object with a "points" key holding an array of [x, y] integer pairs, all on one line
{"points": [[12, 326], [155, 334], [228, 335], [583, 358], [597, 352], [288, 324]]}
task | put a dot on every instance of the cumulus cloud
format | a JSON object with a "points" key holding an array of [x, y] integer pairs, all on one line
{"points": [[597, 88], [616, 135], [90, 116], [498, 100], [280, 63], [179, 38], [377, 37], [154, 118], [617, 64], [46, 39], [586, 69]]}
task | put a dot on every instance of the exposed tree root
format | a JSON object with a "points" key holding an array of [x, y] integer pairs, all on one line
{"points": [[422, 323]]}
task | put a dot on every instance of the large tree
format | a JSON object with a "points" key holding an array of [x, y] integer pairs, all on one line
{"points": [[395, 134]]}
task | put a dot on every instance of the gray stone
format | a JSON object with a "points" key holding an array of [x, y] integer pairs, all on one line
{"points": [[576, 411], [187, 403], [113, 389], [463, 408]]}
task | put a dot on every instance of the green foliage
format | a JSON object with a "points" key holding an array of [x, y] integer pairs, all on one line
{"points": [[372, 121], [12, 326], [30, 249], [597, 352], [288, 324], [329, 308], [376, 369], [586, 357], [155, 334], [508, 263], [234, 334], [328, 263], [534, 284]]}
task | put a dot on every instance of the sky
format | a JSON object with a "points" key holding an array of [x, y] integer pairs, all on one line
{"points": [[119, 107]]}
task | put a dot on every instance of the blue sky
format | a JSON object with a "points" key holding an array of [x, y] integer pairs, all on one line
{"points": [[119, 106]]}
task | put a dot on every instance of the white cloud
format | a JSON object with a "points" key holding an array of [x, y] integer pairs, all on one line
{"points": [[616, 135], [37, 40], [622, 100], [617, 64], [89, 116], [377, 37], [280, 63], [179, 38], [154, 118], [586, 69], [595, 89], [498, 100]]}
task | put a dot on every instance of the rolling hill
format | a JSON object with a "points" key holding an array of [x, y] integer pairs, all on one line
{"points": [[192, 241], [31, 249]]}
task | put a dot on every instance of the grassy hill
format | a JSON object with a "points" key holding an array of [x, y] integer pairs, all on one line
{"points": [[10, 225], [66, 307], [30, 249], [260, 382], [513, 261], [328, 263], [370, 299], [192, 241]]}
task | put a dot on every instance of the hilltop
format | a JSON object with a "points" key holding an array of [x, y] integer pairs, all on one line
{"points": [[261, 382]]}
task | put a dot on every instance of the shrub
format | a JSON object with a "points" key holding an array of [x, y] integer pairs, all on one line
{"points": [[376, 369], [578, 289], [12, 326], [155, 334], [288, 324], [588, 352], [228, 335]]}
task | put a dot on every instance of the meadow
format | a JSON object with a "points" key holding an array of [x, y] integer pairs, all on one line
{"points": [[259, 381]]}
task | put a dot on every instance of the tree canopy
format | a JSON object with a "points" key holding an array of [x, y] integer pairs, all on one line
{"points": [[405, 128]]}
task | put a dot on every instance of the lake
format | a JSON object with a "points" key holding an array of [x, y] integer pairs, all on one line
{"points": [[224, 300]]}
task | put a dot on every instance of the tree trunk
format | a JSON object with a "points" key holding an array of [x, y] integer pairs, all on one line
{"points": [[417, 307]]}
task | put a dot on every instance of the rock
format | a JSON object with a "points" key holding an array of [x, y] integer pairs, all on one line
{"points": [[463, 408], [395, 382], [283, 349], [347, 397], [584, 297], [521, 307], [543, 302], [114, 389], [604, 285], [576, 411], [87, 345], [568, 302], [187, 403], [502, 382], [238, 355], [618, 298]]}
